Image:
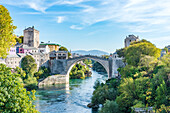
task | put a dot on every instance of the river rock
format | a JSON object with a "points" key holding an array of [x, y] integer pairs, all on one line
{"points": [[91, 105]]}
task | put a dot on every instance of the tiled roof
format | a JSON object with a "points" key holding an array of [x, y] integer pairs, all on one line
{"points": [[50, 44], [42, 46]]}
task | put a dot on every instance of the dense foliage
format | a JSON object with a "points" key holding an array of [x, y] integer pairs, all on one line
{"points": [[144, 81], [19, 39], [137, 50], [63, 48], [121, 52], [107, 91], [13, 96], [28, 64], [79, 71], [88, 62], [110, 107], [7, 37], [98, 67], [42, 73]]}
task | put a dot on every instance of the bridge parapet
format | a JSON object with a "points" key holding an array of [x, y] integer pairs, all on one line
{"points": [[86, 56]]}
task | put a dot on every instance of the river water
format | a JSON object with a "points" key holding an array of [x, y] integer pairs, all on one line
{"points": [[68, 98]]}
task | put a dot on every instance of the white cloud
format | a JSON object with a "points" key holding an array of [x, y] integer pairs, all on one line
{"points": [[30, 13], [60, 19], [136, 15], [76, 27], [159, 39]]}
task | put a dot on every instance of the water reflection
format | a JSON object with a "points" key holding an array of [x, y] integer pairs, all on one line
{"points": [[67, 98]]}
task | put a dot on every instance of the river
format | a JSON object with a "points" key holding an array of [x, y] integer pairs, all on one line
{"points": [[70, 98]]}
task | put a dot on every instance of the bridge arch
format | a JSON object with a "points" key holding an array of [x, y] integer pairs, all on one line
{"points": [[73, 61]]}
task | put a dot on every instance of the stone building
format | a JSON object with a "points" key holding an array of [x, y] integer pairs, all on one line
{"points": [[31, 37], [13, 61], [62, 54], [58, 55], [19, 51], [31, 46], [43, 48], [163, 52], [52, 46], [129, 39], [168, 48]]}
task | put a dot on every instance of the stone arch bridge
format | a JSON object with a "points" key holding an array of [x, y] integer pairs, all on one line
{"points": [[106, 63], [62, 67]]}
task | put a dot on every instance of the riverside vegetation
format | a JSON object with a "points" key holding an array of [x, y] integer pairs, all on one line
{"points": [[144, 82], [80, 71], [13, 96]]}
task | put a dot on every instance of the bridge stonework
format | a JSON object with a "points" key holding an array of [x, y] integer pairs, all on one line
{"points": [[61, 66]]}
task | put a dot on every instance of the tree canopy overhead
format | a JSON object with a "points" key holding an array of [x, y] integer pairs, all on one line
{"points": [[7, 37]]}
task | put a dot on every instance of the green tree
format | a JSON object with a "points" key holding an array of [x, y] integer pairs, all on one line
{"points": [[132, 92], [18, 40], [43, 72], [21, 38], [64, 49], [98, 67], [14, 97], [87, 61], [161, 95], [110, 107], [30, 83], [166, 49], [103, 93], [121, 52], [136, 50], [29, 65], [20, 72], [7, 37], [128, 71], [79, 71]]}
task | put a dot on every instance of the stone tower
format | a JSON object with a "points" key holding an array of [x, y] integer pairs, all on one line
{"points": [[31, 37], [129, 39]]}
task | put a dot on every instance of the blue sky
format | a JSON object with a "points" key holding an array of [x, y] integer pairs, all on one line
{"points": [[93, 24]]}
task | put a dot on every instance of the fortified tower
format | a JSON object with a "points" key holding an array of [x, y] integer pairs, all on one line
{"points": [[129, 39], [31, 37]]}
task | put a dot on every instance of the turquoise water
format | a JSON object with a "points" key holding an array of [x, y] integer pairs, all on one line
{"points": [[68, 98]]}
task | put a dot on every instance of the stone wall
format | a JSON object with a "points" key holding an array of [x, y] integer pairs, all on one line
{"points": [[31, 37], [58, 66], [54, 79]]}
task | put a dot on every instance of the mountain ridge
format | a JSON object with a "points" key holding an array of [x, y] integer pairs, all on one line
{"points": [[91, 52]]}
